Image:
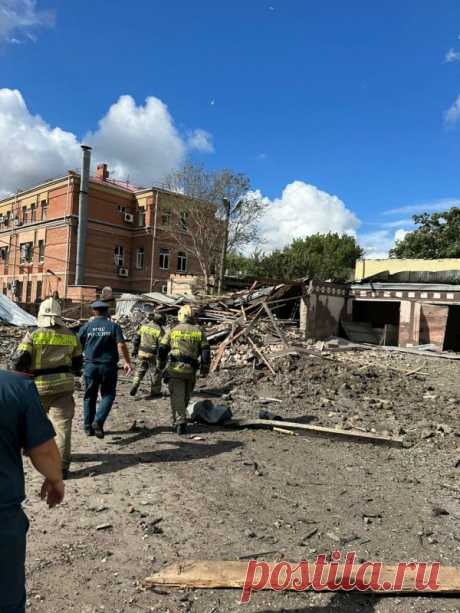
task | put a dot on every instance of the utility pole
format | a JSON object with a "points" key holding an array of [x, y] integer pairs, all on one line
{"points": [[223, 256]]}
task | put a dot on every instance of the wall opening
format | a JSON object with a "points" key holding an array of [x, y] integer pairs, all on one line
{"points": [[382, 315], [452, 337]]}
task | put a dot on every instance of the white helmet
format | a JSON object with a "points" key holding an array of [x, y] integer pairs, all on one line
{"points": [[49, 313]]}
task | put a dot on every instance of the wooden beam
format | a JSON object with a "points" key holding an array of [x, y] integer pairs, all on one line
{"points": [[321, 430], [232, 574], [275, 325], [259, 353]]}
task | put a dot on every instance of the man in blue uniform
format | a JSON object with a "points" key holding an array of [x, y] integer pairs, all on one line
{"points": [[23, 426], [102, 341]]}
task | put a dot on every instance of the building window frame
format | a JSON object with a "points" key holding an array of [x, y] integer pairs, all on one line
{"points": [[184, 220], [44, 208], [41, 251], [141, 214], [25, 215], [33, 213], [26, 252], [164, 258], [165, 217], [140, 258], [182, 262], [119, 256]]}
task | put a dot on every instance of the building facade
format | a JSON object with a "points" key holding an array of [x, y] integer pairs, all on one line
{"points": [[131, 240]]}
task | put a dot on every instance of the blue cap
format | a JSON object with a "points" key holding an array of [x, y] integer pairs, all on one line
{"points": [[99, 304]]}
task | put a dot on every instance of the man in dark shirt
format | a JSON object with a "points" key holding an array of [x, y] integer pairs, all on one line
{"points": [[23, 426], [102, 341]]}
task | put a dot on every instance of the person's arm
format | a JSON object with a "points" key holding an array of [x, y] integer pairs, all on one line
{"points": [[21, 360], [77, 359], [136, 343], [164, 348], [205, 356], [38, 442], [123, 349], [47, 461], [82, 335]]}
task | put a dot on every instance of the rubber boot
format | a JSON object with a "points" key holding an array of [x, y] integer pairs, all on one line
{"points": [[181, 429], [133, 390]]}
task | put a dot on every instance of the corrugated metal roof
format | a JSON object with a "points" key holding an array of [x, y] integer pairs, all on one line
{"points": [[13, 314]]}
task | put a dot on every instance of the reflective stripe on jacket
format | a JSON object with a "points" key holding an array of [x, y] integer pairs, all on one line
{"points": [[185, 344], [51, 351], [150, 335]]}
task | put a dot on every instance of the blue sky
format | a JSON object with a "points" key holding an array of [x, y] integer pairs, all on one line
{"points": [[313, 100]]}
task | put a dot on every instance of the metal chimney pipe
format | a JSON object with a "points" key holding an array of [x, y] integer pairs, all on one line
{"points": [[82, 215]]}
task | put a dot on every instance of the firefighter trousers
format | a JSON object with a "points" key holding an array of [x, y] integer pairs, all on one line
{"points": [[148, 366], [180, 391], [61, 409]]}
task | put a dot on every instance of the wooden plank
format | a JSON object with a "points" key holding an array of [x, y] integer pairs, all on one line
{"points": [[321, 430], [213, 574], [231, 339], [261, 355], [275, 325]]}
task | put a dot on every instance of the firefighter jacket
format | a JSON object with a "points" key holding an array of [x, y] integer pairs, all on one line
{"points": [[147, 340], [186, 348], [53, 355]]}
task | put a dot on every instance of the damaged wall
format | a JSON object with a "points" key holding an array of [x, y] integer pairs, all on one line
{"points": [[323, 306]]}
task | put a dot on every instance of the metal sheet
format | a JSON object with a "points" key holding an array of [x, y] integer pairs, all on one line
{"points": [[13, 314]]}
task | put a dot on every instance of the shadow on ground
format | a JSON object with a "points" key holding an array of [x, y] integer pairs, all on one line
{"points": [[182, 452]]}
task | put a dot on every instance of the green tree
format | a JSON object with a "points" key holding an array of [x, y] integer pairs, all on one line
{"points": [[437, 236], [320, 256]]}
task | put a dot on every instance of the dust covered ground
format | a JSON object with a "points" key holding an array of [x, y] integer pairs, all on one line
{"points": [[143, 497]]}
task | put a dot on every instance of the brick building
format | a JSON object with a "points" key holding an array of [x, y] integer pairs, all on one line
{"points": [[129, 242]]}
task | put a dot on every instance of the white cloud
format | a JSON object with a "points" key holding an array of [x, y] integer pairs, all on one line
{"points": [[452, 114], [377, 244], [22, 17], [31, 150], [452, 56], [201, 141], [442, 204], [302, 210], [137, 141]]}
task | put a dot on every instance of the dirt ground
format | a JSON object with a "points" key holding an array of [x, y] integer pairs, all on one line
{"points": [[143, 497]]}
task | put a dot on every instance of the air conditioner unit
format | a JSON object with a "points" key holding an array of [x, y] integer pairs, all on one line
{"points": [[129, 218], [123, 272]]}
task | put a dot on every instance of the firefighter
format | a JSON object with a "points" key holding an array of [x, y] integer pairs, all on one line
{"points": [[145, 347], [52, 354], [183, 351]]}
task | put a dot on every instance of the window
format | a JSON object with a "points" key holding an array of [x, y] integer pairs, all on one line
{"points": [[26, 253], [166, 217], [164, 259], [7, 219], [141, 218], [119, 255], [41, 251], [4, 255], [44, 205], [140, 258], [25, 215], [181, 262], [5, 289], [121, 209], [18, 290], [184, 220], [38, 295], [29, 292], [33, 213]]}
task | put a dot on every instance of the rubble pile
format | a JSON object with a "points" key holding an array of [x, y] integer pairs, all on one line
{"points": [[360, 390], [10, 336]]}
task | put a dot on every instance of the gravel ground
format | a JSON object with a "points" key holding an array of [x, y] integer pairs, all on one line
{"points": [[143, 497]]}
